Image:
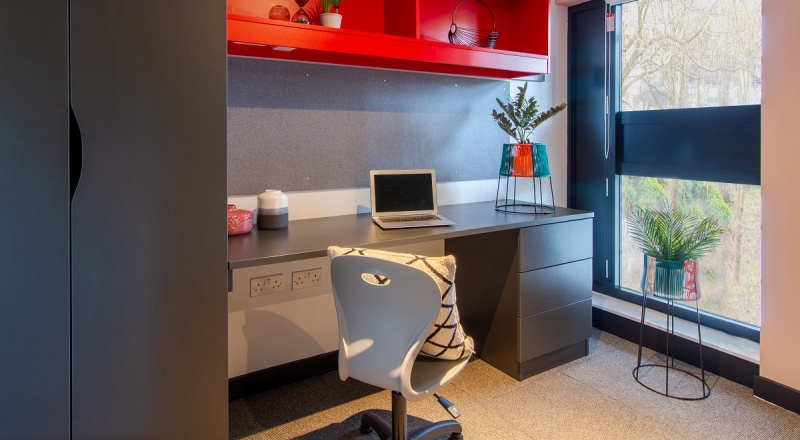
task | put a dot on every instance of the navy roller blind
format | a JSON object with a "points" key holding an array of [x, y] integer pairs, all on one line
{"points": [[718, 144]]}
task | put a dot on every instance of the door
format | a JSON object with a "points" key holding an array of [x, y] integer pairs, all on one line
{"points": [[34, 221], [149, 249]]}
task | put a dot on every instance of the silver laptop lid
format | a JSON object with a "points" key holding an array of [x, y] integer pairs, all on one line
{"points": [[403, 192]]}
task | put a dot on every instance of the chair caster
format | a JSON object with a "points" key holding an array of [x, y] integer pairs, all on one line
{"points": [[365, 429], [456, 436]]}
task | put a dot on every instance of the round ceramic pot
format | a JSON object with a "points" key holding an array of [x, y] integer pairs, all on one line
{"points": [[330, 19], [273, 210], [240, 221]]}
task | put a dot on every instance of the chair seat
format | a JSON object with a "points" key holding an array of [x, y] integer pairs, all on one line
{"points": [[428, 375]]}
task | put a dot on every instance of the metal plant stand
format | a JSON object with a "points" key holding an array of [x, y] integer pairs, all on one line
{"points": [[524, 161], [671, 281]]}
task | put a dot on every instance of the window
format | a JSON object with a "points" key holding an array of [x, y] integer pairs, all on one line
{"points": [[690, 53], [685, 121], [730, 277], [682, 54]]}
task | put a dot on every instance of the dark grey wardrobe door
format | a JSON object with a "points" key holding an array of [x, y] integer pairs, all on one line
{"points": [[149, 221], [34, 220]]}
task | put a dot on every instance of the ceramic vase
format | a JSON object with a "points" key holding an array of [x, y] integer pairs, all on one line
{"points": [[273, 210], [240, 221]]}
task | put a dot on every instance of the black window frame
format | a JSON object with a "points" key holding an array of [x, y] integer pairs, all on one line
{"points": [[722, 130]]}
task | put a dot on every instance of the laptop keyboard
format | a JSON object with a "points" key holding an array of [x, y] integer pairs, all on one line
{"points": [[409, 218]]}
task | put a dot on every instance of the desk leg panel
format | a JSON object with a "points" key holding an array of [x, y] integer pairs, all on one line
{"points": [[487, 289]]}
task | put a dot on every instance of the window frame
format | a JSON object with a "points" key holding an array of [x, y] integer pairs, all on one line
{"points": [[615, 167]]}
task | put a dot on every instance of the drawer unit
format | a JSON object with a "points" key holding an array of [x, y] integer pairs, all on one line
{"points": [[525, 295], [555, 243], [551, 287], [549, 331]]}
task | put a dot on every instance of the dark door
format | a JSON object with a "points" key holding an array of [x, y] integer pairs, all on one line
{"points": [[34, 220], [588, 168], [149, 249]]}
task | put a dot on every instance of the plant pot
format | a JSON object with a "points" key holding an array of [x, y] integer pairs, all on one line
{"points": [[331, 19], [673, 280], [524, 160]]}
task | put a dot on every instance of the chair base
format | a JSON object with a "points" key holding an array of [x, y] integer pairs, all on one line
{"points": [[398, 430]]}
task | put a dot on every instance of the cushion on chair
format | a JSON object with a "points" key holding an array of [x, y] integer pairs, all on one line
{"points": [[447, 339]]}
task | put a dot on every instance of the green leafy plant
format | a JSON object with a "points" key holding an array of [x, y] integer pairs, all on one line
{"points": [[328, 4], [521, 116], [669, 234]]}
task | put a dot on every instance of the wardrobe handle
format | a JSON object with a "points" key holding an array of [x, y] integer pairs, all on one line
{"points": [[75, 153]]}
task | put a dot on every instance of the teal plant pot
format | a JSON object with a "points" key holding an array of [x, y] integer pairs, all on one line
{"points": [[524, 160], [672, 280]]}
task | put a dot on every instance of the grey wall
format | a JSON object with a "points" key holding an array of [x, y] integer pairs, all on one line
{"points": [[298, 126]]}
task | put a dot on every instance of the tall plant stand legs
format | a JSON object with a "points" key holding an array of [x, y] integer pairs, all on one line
{"points": [[669, 364]]}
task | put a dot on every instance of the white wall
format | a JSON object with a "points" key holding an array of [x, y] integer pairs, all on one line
{"points": [[553, 91], [780, 210]]}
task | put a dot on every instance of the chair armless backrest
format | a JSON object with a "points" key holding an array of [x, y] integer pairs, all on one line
{"points": [[381, 326]]}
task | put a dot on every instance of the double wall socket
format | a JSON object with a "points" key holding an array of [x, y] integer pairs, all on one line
{"points": [[266, 285], [304, 279]]}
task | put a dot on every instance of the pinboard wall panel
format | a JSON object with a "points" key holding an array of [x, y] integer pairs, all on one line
{"points": [[300, 127]]}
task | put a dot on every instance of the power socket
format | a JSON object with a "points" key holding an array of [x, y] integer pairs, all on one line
{"points": [[267, 284], [305, 279]]}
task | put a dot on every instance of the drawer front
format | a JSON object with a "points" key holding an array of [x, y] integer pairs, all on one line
{"points": [[557, 243], [548, 331], [555, 286]]}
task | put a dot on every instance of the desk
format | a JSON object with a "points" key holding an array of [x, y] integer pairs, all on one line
{"points": [[523, 281]]}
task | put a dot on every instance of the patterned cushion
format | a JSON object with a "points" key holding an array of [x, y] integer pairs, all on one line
{"points": [[447, 339]]}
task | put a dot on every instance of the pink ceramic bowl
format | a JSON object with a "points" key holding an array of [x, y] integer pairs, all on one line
{"points": [[240, 221]]}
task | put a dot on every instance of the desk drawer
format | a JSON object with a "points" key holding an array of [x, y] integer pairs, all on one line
{"points": [[549, 331], [555, 286], [556, 243]]}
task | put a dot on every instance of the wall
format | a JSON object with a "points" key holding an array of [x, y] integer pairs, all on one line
{"points": [[276, 117], [780, 154], [256, 127]]}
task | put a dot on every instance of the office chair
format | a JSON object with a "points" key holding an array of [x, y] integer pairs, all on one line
{"points": [[385, 311]]}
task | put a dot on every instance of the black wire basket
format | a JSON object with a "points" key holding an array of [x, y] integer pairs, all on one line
{"points": [[473, 37]]}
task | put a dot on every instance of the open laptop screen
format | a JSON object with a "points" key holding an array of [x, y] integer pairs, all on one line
{"points": [[403, 192]]}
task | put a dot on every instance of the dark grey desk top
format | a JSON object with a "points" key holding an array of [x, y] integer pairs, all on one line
{"points": [[311, 238]]}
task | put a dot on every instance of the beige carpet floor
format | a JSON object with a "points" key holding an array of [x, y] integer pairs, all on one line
{"points": [[594, 397]]}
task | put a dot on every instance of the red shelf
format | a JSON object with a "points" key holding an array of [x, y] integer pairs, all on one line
{"points": [[262, 38]]}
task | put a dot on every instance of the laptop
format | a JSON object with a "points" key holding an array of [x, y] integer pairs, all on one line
{"points": [[405, 199]]}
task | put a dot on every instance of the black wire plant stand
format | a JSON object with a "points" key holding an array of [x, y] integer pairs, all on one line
{"points": [[671, 281], [524, 161]]}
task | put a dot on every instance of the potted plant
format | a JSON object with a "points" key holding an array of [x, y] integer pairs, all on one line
{"points": [[672, 241], [519, 117], [330, 19]]}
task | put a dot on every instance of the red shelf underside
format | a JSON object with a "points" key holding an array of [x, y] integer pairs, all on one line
{"points": [[319, 44]]}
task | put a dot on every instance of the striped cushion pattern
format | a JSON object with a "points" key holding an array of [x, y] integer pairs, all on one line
{"points": [[447, 339]]}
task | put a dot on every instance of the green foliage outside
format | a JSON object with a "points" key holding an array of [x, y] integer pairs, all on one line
{"points": [[730, 275]]}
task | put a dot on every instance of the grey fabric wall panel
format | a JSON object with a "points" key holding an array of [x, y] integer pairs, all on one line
{"points": [[298, 126]]}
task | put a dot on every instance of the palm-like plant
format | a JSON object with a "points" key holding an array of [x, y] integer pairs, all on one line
{"points": [[520, 116], [328, 4], [668, 234]]}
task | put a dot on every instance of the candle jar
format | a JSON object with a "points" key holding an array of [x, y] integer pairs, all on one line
{"points": [[273, 210]]}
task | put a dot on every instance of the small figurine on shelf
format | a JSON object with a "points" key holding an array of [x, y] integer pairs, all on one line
{"points": [[300, 16], [330, 19]]}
